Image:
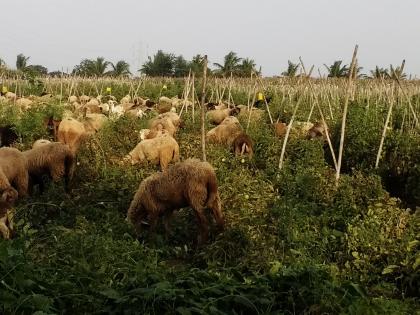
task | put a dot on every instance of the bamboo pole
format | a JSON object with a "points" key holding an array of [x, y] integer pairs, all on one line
{"points": [[203, 99], [343, 123]]}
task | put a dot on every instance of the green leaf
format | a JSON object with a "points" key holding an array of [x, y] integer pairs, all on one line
{"points": [[389, 269]]}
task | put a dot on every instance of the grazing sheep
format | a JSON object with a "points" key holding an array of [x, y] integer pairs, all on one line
{"points": [[160, 150], [52, 126], [54, 159], [226, 132], [280, 129], [13, 171], [24, 103], [173, 117], [10, 96], [242, 145], [163, 123], [149, 103], [84, 99], [317, 131], [189, 183], [71, 132], [300, 129], [72, 99], [8, 136], [256, 114], [40, 142], [94, 122], [125, 99], [164, 105], [136, 112], [218, 115]]}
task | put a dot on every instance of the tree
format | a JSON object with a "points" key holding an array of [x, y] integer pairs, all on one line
{"points": [[230, 65], [379, 73], [336, 70], [21, 62], [2, 63], [397, 73], [92, 67], [247, 67], [292, 69], [36, 70], [162, 64], [181, 68], [120, 69], [196, 65]]}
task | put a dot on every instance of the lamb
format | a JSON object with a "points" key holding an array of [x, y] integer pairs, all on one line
{"points": [[71, 132], [226, 132], [160, 150], [189, 183], [163, 123], [8, 136], [13, 171], [40, 142], [242, 145], [218, 115], [53, 159]]}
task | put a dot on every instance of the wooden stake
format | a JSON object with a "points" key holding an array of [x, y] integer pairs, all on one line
{"points": [[343, 122], [203, 99]]}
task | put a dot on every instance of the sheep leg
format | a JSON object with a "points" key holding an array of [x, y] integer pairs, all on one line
{"points": [[22, 182], [166, 221], [4, 230], [203, 224]]}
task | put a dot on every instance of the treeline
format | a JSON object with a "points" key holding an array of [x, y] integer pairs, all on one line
{"points": [[170, 65]]}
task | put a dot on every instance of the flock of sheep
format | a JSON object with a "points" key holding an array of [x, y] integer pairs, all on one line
{"points": [[188, 183]]}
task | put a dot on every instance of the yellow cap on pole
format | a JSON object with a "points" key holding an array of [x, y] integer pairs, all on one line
{"points": [[260, 96], [164, 87], [4, 89], [108, 89]]}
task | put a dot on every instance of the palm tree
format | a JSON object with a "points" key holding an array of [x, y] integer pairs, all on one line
{"points": [[99, 66], [247, 67], [21, 62], [120, 69], [398, 72], [336, 70], [162, 64], [230, 65], [379, 73], [292, 69]]}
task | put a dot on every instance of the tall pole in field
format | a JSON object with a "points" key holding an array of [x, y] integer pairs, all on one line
{"points": [[203, 99], [346, 105]]}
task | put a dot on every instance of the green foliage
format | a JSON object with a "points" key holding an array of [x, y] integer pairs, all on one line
{"points": [[92, 68], [336, 70], [120, 69], [162, 64], [292, 69]]}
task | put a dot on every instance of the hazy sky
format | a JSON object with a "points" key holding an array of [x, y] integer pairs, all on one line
{"points": [[60, 33]]}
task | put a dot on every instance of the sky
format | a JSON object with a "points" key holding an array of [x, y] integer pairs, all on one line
{"points": [[60, 33]]}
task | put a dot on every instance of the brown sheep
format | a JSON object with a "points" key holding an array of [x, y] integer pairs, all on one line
{"points": [[165, 123], [52, 125], [317, 131], [226, 132], [71, 132], [280, 129], [242, 145], [13, 171], [160, 150], [189, 183], [218, 115], [40, 142], [54, 159]]}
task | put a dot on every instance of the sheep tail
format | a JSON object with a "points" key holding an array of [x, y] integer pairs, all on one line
{"points": [[213, 201]]}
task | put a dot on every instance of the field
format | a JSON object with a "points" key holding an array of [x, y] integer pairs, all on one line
{"points": [[295, 242]]}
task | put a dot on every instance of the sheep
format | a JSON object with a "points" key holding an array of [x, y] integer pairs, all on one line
{"points": [[164, 105], [280, 129], [72, 99], [54, 159], [8, 136], [226, 132], [189, 183], [136, 112], [13, 171], [149, 103], [164, 123], [125, 99], [24, 103], [39, 143], [218, 115], [160, 150], [71, 132], [173, 117], [10, 96], [84, 99], [317, 131], [301, 129], [52, 125], [94, 122], [242, 145], [256, 114]]}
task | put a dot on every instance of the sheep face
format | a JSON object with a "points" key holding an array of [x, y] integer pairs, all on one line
{"points": [[8, 197]]}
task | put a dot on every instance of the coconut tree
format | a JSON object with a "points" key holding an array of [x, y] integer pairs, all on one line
{"points": [[336, 70], [292, 69], [180, 66], [120, 69], [247, 67], [379, 73], [231, 64], [397, 73], [162, 64], [21, 62]]}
